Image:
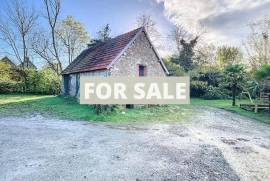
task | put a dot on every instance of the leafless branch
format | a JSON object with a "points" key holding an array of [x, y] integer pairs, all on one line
{"points": [[150, 26], [17, 28], [47, 46]]}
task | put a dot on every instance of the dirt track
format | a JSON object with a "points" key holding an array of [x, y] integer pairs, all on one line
{"points": [[213, 145]]}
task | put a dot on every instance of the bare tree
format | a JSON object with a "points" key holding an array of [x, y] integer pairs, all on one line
{"points": [[47, 46], [105, 33], [53, 11], [16, 27], [205, 54], [179, 34], [150, 26], [257, 45]]}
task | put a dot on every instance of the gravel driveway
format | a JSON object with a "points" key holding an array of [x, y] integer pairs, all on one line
{"points": [[213, 145]]}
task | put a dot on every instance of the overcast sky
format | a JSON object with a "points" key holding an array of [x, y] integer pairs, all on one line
{"points": [[225, 21]]}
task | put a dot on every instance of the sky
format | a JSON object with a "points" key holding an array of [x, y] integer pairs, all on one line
{"points": [[224, 21]]}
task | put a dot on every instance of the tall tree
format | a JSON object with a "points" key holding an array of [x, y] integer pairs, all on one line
{"points": [[16, 27], [178, 35], [257, 45], [53, 12], [104, 33], [234, 76], [185, 44], [227, 55], [73, 36], [47, 45]]}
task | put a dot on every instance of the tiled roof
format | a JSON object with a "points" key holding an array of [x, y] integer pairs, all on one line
{"points": [[102, 55]]}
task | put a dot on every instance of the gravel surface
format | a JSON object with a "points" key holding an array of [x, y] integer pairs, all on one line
{"points": [[213, 145]]}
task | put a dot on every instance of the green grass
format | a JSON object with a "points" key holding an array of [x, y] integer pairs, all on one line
{"points": [[17, 105], [262, 116]]}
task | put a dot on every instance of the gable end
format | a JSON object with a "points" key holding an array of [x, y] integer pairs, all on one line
{"points": [[142, 30]]}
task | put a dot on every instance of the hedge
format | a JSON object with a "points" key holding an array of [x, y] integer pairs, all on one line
{"points": [[11, 87]]}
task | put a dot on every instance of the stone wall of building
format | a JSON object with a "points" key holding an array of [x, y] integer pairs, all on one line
{"points": [[139, 53]]}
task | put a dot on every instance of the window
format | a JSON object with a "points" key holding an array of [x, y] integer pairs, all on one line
{"points": [[142, 70]]}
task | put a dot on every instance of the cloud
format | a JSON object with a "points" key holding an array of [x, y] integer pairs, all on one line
{"points": [[224, 20]]}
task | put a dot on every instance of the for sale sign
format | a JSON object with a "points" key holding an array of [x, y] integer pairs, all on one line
{"points": [[134, 90]]}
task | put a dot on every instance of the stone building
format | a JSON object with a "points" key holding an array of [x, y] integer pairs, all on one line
{"points": [[7, 61], [26, 64], [129, 54]]}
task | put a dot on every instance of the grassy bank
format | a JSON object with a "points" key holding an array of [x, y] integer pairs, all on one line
{"points": [[69, 108]]}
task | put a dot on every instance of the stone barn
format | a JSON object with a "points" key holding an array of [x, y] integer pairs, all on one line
{"points": [[129, 54]]}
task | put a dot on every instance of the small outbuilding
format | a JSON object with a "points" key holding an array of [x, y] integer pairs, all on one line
{"points": [[7, 61], [129, 54]]}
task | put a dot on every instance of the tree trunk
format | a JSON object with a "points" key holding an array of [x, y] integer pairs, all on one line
{"points": [[69, 54], [24, 53], [56, 51], [233, 94]]}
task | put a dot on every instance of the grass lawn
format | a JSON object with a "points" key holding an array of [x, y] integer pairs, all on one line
{"points": [[69, 108], [227, 105], [17, 105]]}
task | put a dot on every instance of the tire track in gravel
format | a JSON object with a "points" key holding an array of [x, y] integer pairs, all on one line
{"points": [[243, 142]]}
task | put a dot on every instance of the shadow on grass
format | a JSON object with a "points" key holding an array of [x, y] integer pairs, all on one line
{"points": [[69, 108], [46, 105]]}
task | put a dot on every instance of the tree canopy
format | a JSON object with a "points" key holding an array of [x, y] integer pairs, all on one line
{"points": [[227, 55], [73, 36]]}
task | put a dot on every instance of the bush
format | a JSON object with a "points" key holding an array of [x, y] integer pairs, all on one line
{"points": [[215, 93], [198, 88], [31, 80], [49, 82], [174, 69], [11, 87], [210, 75], [5, 71], [205, 81], [44, 81], [263, 72]]}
